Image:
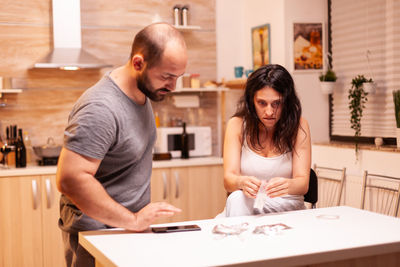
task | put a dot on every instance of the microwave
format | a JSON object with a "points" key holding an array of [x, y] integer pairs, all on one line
{"points": [[169, 140]]}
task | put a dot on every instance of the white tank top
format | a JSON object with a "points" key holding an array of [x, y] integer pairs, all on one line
{"points": [[264, 168]]}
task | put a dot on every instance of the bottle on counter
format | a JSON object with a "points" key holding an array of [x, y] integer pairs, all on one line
{"points": [[11, 141], [157, 119], [29, 149], [20, 151], [184, 143]]}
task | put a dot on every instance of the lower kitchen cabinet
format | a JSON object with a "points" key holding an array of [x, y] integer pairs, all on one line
{"points": [[197, 190], [28, 225]]}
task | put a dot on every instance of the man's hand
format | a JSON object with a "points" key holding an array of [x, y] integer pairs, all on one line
{"points": [[146, 216], [249, 185]]}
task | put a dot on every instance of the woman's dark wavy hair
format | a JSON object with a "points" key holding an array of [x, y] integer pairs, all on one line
{"points": [[286, 128]]}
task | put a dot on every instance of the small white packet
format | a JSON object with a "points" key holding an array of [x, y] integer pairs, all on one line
{"points": [[261, 198]]}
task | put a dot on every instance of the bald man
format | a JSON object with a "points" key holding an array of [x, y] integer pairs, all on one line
{"points": [[104, 168]]}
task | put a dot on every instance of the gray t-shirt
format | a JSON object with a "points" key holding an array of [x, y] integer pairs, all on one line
{"points": [[105, 124]]}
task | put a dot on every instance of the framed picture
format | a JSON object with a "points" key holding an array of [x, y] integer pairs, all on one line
{"points": [[308, 47], [260, 43]]}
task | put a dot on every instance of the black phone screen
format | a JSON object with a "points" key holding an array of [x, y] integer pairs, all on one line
{"points": [[180, 228]]}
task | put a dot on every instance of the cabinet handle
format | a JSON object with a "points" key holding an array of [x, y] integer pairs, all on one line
{"points": [[48, 192], [177, 185], [164, 175], [35, 194]]}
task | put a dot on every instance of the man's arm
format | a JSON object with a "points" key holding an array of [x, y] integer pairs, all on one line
{"points": [[75, 179]]}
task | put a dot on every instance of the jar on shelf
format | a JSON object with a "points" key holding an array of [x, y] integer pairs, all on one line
{"points": [[185, 10], [195, 80], [177, 10], [186, 83]]}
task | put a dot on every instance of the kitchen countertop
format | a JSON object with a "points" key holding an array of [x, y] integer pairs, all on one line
{"points": [[45, 170], [338, 235]]}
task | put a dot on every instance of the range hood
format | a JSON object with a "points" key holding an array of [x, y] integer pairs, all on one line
{"points": [[67, 53]]}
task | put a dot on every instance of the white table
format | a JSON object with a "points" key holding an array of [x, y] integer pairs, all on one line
{"points": [[341, 236]]}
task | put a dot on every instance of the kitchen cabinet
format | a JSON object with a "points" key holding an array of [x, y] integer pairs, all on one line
{"points": [[197, 190], [28, 226]]}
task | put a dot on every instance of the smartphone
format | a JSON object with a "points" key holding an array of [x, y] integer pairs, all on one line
{"points": [[180, 228]]}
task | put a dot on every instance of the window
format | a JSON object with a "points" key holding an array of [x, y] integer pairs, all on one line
{"points": [[365, 39]]}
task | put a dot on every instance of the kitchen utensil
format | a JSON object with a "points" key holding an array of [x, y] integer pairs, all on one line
{"points": [[50, 150]]}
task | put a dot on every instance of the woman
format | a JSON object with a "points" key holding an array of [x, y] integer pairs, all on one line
{"points": [[267, 140]]}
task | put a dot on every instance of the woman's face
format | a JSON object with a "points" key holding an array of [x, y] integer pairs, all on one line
{"points": [[268, 104]]}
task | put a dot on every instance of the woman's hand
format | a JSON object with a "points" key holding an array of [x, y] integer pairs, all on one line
{"points": [[277, 187], [249, 185]]}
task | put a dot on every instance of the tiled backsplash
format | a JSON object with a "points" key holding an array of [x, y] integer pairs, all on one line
{"points": [[108, 29], [44, 113]]}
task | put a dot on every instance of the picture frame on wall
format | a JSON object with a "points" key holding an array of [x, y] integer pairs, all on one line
{"points": [[261, 45], [308, 46]]}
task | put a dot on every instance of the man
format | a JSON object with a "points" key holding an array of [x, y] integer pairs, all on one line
{"points": [[105, 165]]}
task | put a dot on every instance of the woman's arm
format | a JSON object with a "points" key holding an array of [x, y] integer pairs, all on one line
{"points": [[232, 155], [298, 185]]}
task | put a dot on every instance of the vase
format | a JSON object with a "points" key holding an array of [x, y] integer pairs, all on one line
{"points": [[327, 87], [398, 137], [378, 141], [369, 87]]}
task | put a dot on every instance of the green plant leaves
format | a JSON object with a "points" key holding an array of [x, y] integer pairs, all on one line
{"points": [[358, 98], [329, 76], [396, 101]]}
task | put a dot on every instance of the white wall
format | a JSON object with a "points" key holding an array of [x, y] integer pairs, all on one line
{"points": [[230, 29], [235, 18], [315, 105]]}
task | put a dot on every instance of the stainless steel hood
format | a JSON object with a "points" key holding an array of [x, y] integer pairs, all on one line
{"points": [[67, 52]]}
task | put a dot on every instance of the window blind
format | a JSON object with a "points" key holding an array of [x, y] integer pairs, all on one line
{"points": [[366, 40]]}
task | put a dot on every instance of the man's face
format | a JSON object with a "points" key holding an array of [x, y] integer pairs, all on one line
{"points": [[159, 80], [145, 86]]}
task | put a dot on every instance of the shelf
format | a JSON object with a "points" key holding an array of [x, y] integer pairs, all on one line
{"points": [[187, 28], [236, 84], [13, 91], [202, 89]]}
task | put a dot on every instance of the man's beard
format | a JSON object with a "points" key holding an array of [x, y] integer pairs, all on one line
{"points": [[147, 89]]}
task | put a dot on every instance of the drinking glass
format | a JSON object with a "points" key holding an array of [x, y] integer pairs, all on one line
{"points": [[5, 149]]}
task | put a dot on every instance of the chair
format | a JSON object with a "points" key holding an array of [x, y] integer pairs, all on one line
{"points": [[312, 194], [330, 185], [380, 193]]}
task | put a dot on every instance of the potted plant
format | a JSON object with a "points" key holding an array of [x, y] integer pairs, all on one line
{"points": [[369, 86], [396, 100], [327, 81], [358, 98]]}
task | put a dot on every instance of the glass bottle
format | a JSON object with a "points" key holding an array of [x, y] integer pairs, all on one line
{"points": [[157, 119], [184, 143], [20, 151], [28, 146]]}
